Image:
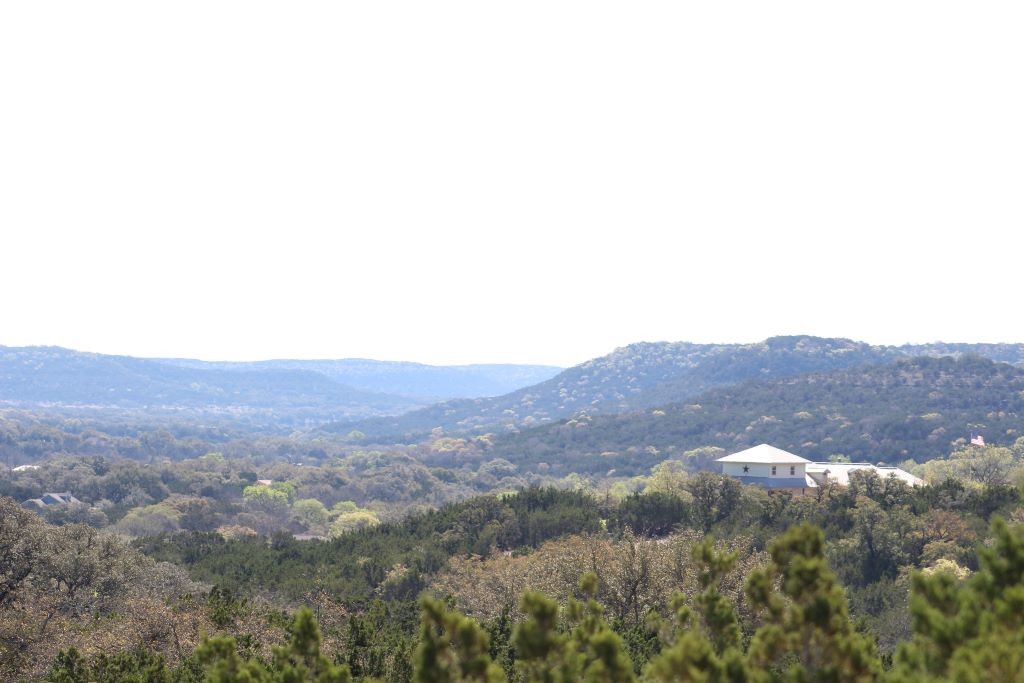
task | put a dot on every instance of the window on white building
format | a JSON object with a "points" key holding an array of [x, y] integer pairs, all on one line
{"points": [[792, 469], [773, 470]]}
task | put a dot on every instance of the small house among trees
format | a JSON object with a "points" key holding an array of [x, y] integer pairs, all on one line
{"points": [[48, 499], [775, 468], [771, 468]]}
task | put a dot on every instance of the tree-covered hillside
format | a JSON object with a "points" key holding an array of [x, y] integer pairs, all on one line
{"points": [[913, 409], [652, 374]]}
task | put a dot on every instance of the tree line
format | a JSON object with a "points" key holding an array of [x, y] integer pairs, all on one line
{"points": [[964, 630]]}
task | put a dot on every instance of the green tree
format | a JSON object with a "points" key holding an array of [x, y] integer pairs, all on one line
{"points": [[138, 665], [265, 499], [353, 521], [22, 544], [807, 632], [311, 513], [710, 653], [300, 661], [715, 496], [669, 476], [453, 648], [584, 648], [974, 630]]}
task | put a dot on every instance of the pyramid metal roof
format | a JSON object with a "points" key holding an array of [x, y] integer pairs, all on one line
{"points": [[763, 454]]}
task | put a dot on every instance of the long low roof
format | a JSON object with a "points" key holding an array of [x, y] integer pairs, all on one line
{"points": [[764, 454], [839, 472]]}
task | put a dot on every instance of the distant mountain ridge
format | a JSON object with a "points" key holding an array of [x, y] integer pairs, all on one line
{"points": [[651, 374], [915, 408], [417, 380], [282, 394]]}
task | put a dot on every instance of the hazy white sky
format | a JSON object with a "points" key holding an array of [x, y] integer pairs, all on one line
{"points": [[524, 182]]}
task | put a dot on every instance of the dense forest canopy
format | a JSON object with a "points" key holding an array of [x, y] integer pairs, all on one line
{"points": [[649, 375], [910, 410], [636, 584], [600, 544]]}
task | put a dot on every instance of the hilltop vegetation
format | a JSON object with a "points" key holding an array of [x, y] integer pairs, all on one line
{"points": [[381, 402], [915, 409], [650, 375]]}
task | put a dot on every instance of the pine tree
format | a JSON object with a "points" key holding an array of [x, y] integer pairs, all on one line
{"points": [[300, 661], [583, 648], [709, 650], [453, 648], [973, 630], [807, 634]]}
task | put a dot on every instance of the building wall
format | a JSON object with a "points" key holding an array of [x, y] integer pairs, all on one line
{"points": [[735, 469]]}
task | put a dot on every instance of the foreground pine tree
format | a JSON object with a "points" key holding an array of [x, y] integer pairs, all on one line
{"points": [[300, 661], [970, 631], [807, 633], [706, 646], [453, 648], [579, 647]]}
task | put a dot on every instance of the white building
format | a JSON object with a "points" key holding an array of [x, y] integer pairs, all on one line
{"points": [[771, 468], [775, 468]]}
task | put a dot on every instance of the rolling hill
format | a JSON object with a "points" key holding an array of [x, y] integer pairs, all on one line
{"points": [[279, 394], [651, 374], [60, 378], [911, 409]]}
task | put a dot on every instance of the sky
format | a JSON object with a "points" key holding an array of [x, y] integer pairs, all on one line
{"points": [[528, 182]]}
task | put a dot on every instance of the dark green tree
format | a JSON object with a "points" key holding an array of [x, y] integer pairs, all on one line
{"points": [[453, 648], [807, 634], [583, 648], [300, 661], [972, 630], [708, 650]]}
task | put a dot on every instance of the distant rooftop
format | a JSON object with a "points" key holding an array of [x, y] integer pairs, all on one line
{"points": [[763, 454], [49, 498], [839, 472]]}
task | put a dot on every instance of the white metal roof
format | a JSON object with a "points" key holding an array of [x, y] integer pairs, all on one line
{"points": [[764, 454], [839, 472]]}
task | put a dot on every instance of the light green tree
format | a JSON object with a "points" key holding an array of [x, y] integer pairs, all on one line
{"points": [[312, 513], [669, 477], [353, 521], [265, 499]]}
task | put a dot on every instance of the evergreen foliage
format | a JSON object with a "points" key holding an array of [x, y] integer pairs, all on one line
{"points": [[300, 661], [914, 409], [973, 630]]}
